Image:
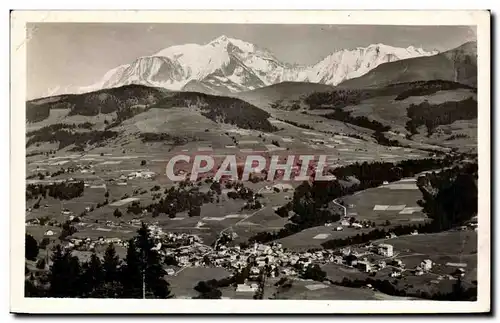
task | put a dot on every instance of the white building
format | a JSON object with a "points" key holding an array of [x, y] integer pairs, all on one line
{"points": [[396, 274], [357, 226], [49, 233], [244, 288], [364, 266], [426, 264], [345, 223], [386, 250]]}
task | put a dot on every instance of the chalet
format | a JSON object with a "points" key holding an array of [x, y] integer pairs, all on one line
{"points": [[396, 273], [426, 265], [357, 225], [345, 223], [398, 263], [364, 266], [337, 260], [245, 288], [385, 249]]}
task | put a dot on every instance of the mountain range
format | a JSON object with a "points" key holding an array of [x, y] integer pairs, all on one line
{"points": [[227, 65]]}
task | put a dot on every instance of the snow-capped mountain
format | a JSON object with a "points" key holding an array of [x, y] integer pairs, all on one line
{"points": [[231, 65]]}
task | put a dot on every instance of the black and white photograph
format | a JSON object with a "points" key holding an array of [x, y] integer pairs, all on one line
{"points": [[166, 161]]}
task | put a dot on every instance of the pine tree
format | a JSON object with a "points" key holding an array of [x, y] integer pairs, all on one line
{"points": [[73, 276], [110, 264], [31, 247], [64, 275], [151, 268], [131, 277], [57, 272], [92, 276]]}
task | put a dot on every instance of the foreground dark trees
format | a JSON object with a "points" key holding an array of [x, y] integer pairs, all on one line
{"points": [[31, 247], [139, 275]]}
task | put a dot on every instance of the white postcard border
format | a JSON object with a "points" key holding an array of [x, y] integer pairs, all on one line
{"points": [[17, 155]]}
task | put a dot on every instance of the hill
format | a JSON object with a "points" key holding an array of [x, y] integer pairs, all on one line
{"points": [[97, 117], [286, 91], [457, 65], [94, 103], [394, 110]]}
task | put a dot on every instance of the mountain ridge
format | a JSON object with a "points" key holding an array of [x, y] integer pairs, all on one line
{"points": [[458, 65], [228, 65]]}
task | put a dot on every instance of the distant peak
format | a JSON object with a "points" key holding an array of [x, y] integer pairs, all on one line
{"points": [[220, 39]]}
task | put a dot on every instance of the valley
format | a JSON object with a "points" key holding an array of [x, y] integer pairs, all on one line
{"points": [[96, 180]]}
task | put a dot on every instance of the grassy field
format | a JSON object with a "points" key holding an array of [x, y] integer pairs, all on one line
{"points": [[182, 284], [304, 240], [299, 290], [403, 193]]}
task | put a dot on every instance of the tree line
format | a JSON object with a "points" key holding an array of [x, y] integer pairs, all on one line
{"points": [[62, 190], [434, 115]]}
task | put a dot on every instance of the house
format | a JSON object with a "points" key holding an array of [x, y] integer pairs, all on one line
{"points": [[339, 229], [364, 266], [244, 288], [261, 248], [49, 233], [254, 271], [288, 272], [426, 264], [382, 264], [459, 272], [345, 223], [414, 233], [397, 262], [357, 225], [336, 260], [396, 273], [385, 249]]}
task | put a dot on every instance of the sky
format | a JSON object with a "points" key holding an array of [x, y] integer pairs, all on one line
{"points": [[78, 54]]}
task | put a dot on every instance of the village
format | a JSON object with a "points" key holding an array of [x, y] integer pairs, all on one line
{"points": [[183, 250]]}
